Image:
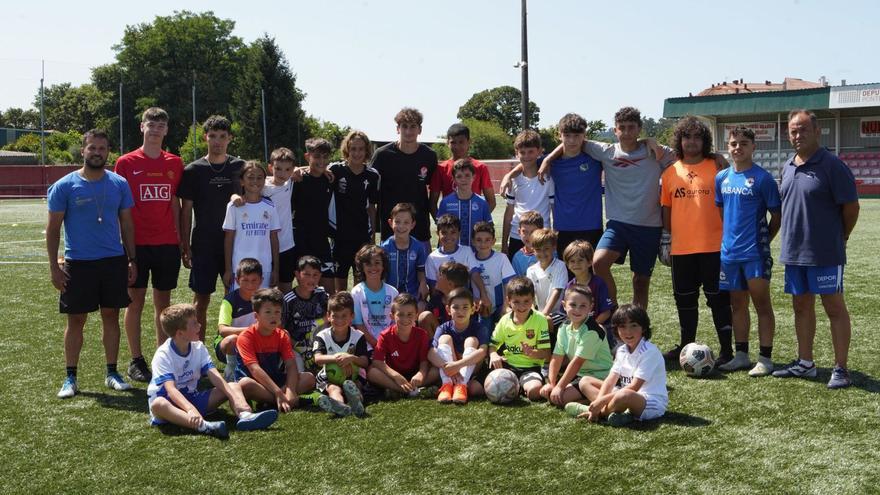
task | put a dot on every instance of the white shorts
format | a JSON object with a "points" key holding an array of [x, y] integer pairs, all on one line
{"points": [[655, 406]]}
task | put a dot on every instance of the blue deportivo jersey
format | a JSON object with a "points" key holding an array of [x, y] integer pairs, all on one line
{"points": [[746, 197], [404, 264], [468, 211], [578, 197]]}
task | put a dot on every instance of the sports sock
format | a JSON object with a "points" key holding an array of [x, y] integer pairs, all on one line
{"points": [[111, 368], [245, 415], [806, 363], [71, 371], [688, 319], [139, 359], [742, 347], [766, 351], [445, 352], [203, 427], [468, 370], [725, 336]]}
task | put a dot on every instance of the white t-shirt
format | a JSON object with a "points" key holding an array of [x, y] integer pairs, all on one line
{"points": [[184, 370], [496, 271], [554, 277], [373, 309], [280, 195], [252, 223], [529, 194], [463, 255], [646, 362]]}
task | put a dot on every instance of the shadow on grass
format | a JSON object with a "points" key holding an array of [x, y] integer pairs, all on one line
{"points": [[672, 418], [859, 380], [134, 400]]}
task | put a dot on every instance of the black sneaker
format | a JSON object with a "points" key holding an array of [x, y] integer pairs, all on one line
{"points": [[139, 372], [673, 354]]}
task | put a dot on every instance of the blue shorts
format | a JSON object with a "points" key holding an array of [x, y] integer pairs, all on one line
{"points": [[800, 280], [735, 275], [200, 399], [643, 244]]}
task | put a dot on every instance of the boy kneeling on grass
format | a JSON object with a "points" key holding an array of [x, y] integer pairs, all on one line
{"points": [[177, 366]]}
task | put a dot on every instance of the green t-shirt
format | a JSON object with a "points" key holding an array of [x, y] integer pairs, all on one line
{"points": [[587, 343], [508, 338]]}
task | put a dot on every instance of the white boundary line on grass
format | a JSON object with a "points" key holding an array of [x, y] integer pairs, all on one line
{"points": [[19, 223], [3, 243], [24, 262]]}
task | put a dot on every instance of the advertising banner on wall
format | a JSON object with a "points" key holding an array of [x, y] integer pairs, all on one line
{"points": [[854, 96], [869, 127], [764, 131]]}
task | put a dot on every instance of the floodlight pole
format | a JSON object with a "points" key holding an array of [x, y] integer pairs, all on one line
{"points": [[120, 119], [524, 67], [265, 135], [193, 133], [42, 117]]}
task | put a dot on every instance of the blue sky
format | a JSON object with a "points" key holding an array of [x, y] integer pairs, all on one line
{"points": [[360, 61]]}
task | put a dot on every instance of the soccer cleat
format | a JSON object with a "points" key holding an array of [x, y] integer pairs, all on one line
{"points": [[839, 378], [428, 392], [460, 393], [740, 361], [620, 418], [763, 367], [444, 396], [575, 409], [256, 421], [333, 406], [115, 382], [796, 369], [68, 388], [354, 397], [215, 429], [723, 359], [139, 372], [673, 354], [310, 398]]}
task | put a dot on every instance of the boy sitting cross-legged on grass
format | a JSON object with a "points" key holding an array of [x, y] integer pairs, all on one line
{"points": [[581, 343], [522, 337], [267, 369], [459, 349], [342, 351], [237, 313], [177, 366], [400, 360]]}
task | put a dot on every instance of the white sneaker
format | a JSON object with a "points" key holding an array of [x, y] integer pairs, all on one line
{"points": [[740, 361], [68, 389], [763, 367], [115, 382]]}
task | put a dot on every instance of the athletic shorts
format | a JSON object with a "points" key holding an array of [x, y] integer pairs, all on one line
{"points": [[655, 406], [526, 375], [566, 237], [642, 243], [342, 253], [159, 263], [690, 271], [316, 246], [800, 280], [208, 263], [513, 246], [286, 265], [735, 275], [94, 284], [199, 399]]}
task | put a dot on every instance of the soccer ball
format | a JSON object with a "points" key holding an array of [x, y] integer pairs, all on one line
{"points": [[697, 359], [336, 376], [502, 386]]}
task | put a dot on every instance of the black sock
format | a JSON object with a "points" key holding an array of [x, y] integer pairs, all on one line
{"points": [[688, 319], [766, 351], [725, 338], [742, 347], [71, 371], [139, 359], [111, 368]]}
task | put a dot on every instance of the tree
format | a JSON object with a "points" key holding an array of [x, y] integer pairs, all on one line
{"points": [[188, 154], [21, 119], [61, 147], [501, 105], [158, 63], [267, 69], [70, 108], [489, 140], [659, 129], [328, 130], [550, 135]]}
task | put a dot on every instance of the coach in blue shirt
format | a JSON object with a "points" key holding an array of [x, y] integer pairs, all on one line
{"points": [[820, 207]]}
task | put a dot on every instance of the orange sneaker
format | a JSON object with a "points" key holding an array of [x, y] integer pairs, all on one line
{"points": [[459, 395], [445, 395]]}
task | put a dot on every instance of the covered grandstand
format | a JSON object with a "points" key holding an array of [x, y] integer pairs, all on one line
{"points": [[849, 118]]}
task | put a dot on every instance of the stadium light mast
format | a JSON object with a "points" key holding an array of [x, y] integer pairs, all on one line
{"points": [[524, 67]]}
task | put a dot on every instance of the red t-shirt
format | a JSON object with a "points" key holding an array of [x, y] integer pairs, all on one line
{"points": [[153, 184], [402, 357], [267, 350], [442, 178]]}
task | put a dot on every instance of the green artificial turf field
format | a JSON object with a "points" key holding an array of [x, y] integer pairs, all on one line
{"points": [[730, 434]]}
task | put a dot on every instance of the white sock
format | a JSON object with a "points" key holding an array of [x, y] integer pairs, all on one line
{"points": [[445, 352], [245, 415], [806, 363], [468, 370], [203, 427]]}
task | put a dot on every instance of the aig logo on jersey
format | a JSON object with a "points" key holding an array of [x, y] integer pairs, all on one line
{"points": [[155, 192]]}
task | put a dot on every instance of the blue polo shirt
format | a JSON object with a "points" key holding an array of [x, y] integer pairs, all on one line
{"points": [[746, 197], [578, 195], [404, 264], [83, 203], [812, 196], [468, 211]]}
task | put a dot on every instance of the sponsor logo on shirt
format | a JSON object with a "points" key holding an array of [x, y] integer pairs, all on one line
{"points": [[412, 256], [530, 334], [691, 176], [475, 207], [682, 192], [423, 173], [155, 192], [136, 172]]}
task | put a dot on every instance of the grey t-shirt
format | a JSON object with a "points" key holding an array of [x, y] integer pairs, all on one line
{"points": [[632, 182]]}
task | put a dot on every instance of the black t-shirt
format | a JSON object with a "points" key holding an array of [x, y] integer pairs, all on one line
{"points": [[209, 186], [352, 194], [309, 200], [404, 179]]}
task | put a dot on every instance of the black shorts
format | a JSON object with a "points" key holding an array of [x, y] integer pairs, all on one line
{"points": [[286, 265], [94, 284], [343, 252], [317, 246], [566, 237], [161, 263], [208, 263], [690, 271], [513, 245]]}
